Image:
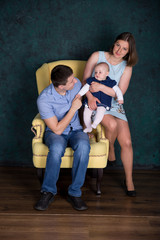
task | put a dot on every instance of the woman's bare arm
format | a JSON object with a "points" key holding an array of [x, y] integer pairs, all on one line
{"points": [[96, 87], [125, 79], [92, 61]]}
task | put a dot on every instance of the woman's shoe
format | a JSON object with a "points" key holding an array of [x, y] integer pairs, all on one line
{"points": [[111, 163], [129, 193]]}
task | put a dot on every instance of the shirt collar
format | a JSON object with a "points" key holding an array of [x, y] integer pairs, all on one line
{"points": [[56, 94]]}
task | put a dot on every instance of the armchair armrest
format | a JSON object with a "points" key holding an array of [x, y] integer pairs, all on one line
{"points": [[38, 128], [101, 134]]}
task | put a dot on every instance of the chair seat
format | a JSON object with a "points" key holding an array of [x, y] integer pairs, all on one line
{"points": [[97, 157]]}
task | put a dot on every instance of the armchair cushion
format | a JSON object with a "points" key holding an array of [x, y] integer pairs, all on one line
{"points": [[98, 154]]}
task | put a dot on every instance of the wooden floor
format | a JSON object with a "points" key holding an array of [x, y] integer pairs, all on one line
{"points": [[111, 216]]}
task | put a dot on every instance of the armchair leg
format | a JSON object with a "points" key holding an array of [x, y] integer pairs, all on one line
{"points": [[40, 175], [99, 178]]}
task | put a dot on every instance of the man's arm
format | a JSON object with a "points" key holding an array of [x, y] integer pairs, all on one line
{"points": [[59, 127]]}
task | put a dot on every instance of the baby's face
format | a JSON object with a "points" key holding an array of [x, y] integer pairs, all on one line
{"points": [[101, 73]]}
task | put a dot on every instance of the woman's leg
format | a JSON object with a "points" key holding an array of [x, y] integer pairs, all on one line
{"points": [[117, 128], [110, 124], [124, 139]]}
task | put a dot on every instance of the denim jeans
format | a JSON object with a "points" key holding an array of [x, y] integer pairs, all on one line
{"points": [[79, 142]]}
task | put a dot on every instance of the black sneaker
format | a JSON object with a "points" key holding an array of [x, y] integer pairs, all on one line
{"points": [[44, 201], [77, 203]]}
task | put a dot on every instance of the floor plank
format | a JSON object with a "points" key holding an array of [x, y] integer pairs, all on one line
{"points": [[112, 215]]}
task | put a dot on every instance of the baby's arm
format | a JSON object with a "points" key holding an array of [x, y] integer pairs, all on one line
{"points": [[84, 90], [118, 94]]}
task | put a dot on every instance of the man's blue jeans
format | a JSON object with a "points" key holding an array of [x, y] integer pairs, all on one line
{"points": [[79, 142]]}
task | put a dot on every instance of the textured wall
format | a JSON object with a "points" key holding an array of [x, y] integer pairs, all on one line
{"points": [[37, 31]]}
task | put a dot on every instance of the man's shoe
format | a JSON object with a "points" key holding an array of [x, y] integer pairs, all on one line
{"points": [[77, 203], [44, 201]]}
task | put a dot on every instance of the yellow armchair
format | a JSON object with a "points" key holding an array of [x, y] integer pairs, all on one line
{"points": [[99, 144]]}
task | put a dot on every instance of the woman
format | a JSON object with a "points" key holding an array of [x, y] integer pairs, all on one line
{"points": [[121, 58]]}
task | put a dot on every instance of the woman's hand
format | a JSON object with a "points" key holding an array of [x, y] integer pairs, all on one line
{"points": [[95, 87], [92, 102]]}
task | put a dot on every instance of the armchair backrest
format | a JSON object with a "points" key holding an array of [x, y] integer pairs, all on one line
{"points": [[44, 72]]}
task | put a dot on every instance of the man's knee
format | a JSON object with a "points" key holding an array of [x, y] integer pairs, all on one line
{"points": [[83, 143], [57, 149], [83, 147]]}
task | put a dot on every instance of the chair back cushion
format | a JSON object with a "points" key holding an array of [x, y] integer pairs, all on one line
{"points": [[44, 72]]}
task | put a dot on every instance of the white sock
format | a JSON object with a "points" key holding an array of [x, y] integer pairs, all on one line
{"points": [[94, 125], [88, 129]]}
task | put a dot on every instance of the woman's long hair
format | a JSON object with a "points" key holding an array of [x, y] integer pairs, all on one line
{"points": [[131, 57]]}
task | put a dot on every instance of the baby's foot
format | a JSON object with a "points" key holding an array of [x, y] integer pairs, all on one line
{"points": [[94, 125], [89, 129]]}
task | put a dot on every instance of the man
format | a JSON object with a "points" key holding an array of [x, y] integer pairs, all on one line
{"points": [[58, 108]]}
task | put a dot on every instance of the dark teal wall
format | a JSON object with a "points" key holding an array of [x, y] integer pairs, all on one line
{"points": [[38, 31]]}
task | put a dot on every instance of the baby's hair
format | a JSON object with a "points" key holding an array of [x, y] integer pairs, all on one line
{"points": [[103, 64]]}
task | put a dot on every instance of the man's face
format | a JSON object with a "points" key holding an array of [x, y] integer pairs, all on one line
{"points": [[70, 83]]}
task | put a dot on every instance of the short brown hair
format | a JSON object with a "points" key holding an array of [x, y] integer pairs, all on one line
{"points": [[60, 75], [131, 57]]}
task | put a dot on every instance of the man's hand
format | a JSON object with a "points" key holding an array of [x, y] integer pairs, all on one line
{"points": [[76, 104]]}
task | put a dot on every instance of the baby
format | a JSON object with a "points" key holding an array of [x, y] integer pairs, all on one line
{"points": [[101, 76]]}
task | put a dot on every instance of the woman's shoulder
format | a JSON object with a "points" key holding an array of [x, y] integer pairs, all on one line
{"points": [[93, 58], [96, 57], [97, 53], [99, 56]]}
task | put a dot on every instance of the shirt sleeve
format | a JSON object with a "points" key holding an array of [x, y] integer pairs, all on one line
{"points": [[84, 89], [45, 109], [118, 92]]}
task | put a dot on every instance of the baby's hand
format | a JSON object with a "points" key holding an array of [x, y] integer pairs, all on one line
{"points": [[120, 101]]}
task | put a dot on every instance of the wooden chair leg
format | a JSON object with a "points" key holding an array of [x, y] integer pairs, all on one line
{"points": [[40, 175], [99, 178]]}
